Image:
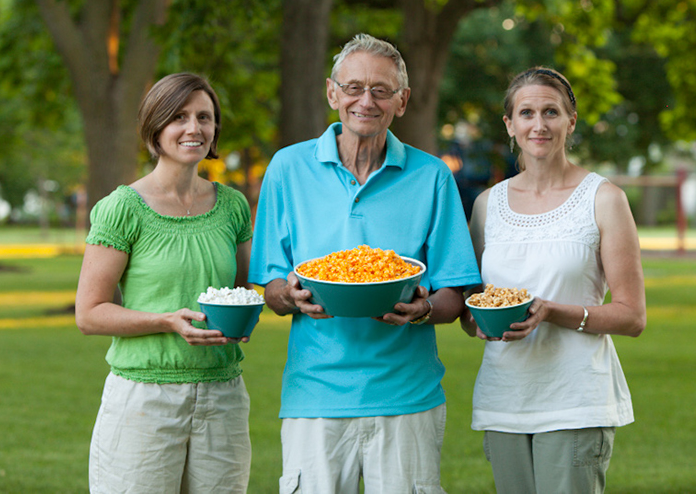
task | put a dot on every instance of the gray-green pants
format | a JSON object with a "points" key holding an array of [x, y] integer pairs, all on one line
{"points": [[559, 462]]}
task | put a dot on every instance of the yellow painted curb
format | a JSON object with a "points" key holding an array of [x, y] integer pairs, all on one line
{"points": [[31, 251], [68, 320], [39, 322], [666, 243], [57, 298], [28, 251]]}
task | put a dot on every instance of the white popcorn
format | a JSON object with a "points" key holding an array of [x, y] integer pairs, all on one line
{"points": [[235, 296]]}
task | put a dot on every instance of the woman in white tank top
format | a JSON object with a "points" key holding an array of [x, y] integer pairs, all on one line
{"points": [[550, 392]]}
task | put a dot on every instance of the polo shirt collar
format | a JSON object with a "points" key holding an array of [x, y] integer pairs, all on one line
{"points": [[326, 150]]}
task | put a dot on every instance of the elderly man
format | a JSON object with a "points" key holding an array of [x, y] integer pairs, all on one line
{"points": [[361, 397]]}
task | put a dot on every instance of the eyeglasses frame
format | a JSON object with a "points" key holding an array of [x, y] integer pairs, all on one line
{"points": [[364, 88]]}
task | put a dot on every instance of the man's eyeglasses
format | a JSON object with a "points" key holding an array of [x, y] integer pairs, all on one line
{"points": [[378, 92]]}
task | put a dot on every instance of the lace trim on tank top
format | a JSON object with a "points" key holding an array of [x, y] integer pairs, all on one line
{"points": [[574, 220]]}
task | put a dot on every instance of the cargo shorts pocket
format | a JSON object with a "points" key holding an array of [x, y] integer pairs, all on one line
{"points": [[486, 447], [593, 446], [428, 488], [290, 483]]}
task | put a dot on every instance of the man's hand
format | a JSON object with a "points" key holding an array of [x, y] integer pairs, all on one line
{"points": [[287, 296], [404, 313]]}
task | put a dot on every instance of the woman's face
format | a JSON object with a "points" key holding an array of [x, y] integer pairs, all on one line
{"points": [[188, 137], [539, 122]]}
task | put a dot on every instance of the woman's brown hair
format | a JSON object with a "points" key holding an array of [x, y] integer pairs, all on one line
{"points": [[164, 100]]}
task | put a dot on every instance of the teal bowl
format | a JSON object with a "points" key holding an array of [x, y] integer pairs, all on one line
{"points": [[375, 299], [235, 321], [494, 321]]}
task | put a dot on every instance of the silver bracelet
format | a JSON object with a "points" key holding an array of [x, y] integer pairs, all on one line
{"points": [[584, 320]]}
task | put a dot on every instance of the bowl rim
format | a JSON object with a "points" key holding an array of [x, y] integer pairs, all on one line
{"points": [[232, 305], [411, 260], [531, 299]]}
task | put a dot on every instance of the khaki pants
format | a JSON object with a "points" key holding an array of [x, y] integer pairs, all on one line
{"points": [[171, 438], [394, 455], [559, 462]]}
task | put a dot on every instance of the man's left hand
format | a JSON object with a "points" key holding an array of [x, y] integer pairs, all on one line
{"points": [[404, 313]]}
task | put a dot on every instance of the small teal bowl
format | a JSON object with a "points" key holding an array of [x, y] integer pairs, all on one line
{"points": [[235, 321], [375, 299], [494, 321]]}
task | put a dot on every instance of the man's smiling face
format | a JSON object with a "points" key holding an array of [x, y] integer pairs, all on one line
{"points": [[364, 116]]}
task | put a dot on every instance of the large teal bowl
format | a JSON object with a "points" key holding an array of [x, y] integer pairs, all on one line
{"points": [[235, 321], [494, 321], [362, 299]]}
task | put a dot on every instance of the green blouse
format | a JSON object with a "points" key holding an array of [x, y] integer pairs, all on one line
{"points": [[171, 261]]}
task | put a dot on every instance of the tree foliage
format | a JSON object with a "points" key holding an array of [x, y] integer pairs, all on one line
{"points": [[670, 27], [630, 63], [620, 103], [235, 45], [39, 121]]}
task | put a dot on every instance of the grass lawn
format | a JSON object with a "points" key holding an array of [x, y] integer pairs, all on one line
{"points": [[51, 379]]}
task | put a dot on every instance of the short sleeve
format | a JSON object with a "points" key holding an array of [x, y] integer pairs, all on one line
{"points": [[451, 254], [271, 255], [113, 222], [244, 212]]}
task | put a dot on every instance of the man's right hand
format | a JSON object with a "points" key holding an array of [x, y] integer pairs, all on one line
{"points": [[287, 296]]}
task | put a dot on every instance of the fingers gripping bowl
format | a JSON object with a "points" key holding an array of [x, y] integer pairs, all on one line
{"points": [[496, 308], [235, 312], [362, 282]]}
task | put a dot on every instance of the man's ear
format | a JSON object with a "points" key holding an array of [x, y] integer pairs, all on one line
{"points": [[404, 94], [331, 93]]}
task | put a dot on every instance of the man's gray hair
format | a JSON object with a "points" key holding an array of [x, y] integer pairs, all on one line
{"points": [[373, 46]]}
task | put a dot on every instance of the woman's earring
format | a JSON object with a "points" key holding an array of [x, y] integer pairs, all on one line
{"points": [[512, 144]]}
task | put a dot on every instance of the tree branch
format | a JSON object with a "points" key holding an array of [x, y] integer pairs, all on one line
{"points": [[68, 39], [95, 24], [141, 51]]}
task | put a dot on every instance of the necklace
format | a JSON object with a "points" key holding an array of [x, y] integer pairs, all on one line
{"points": [[193, 197]]}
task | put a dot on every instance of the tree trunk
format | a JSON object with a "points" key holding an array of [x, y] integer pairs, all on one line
{"points": [[305, 35], [108, 94], [427, 34]]}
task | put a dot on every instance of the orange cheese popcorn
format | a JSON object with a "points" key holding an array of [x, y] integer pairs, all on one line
{"points": [[360, 265]]}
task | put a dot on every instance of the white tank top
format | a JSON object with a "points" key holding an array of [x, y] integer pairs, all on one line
{"points": [[555, 378]]}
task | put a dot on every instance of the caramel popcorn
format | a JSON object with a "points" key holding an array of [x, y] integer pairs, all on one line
{"points": [[499, 297]]}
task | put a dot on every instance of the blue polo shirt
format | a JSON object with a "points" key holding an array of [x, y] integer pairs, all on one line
{"points": [[310, 206]]}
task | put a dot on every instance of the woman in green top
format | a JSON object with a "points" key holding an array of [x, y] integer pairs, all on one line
{"points": [[174, 413]]}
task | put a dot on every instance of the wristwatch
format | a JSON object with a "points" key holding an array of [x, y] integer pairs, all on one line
{"points": [[425, 317]]}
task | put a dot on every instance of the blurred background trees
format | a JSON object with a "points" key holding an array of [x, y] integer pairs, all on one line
{"points": [[75, 70]]}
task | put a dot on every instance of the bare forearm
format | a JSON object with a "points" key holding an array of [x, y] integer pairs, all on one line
{"points": [[448, 304], [109, 319], [613, 318]]}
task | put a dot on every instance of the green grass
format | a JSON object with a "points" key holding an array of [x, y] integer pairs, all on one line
{"points": [[51, 380], [33, 235], [52, 274], [664, 231]]}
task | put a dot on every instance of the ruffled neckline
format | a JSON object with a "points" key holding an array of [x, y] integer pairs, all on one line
{"points": [[145, 207]]}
